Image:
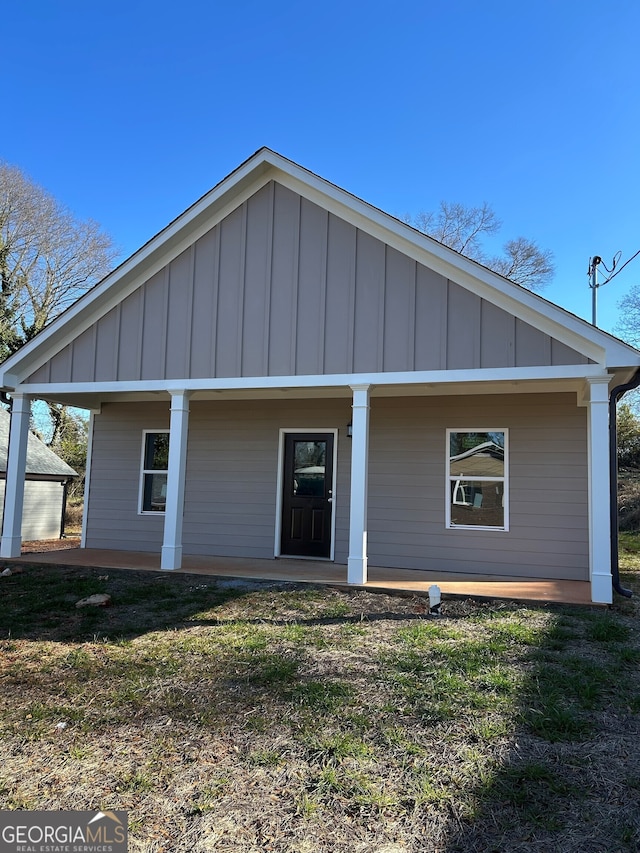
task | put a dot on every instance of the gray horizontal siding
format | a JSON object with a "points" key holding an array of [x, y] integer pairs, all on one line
{"points": [[548, 531], [282, 288], [230, 500]]}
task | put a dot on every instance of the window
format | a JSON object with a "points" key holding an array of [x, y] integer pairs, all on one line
{"points": [[153, 478], [477, 479]]}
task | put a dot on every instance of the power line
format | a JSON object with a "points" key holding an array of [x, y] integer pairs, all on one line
{"points": [[594, 284]]}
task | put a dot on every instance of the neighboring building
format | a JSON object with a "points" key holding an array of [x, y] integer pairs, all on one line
{"points": [[320, 366], [45, 489]]}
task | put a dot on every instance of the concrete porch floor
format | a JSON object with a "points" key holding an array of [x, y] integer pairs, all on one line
{"points": [[321, 572]]}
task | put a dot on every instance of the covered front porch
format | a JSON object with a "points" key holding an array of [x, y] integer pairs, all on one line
{"points": [[323, 572]]}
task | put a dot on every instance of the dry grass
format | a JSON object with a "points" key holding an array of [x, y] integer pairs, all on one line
{"points": [[279, 717]]}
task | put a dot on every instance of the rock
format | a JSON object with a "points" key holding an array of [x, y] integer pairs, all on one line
{"points": [[101, 599], [6, 573]]}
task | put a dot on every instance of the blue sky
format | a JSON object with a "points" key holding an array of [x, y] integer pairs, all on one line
{"points": [[128, 112]]}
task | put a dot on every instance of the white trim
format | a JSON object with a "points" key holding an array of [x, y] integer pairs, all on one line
{"points": [[504, 528], [357, 563], [418, 377], [144, 471], [599, 494], [280, 482], [87, 480], [171, 555], [11, 541]]}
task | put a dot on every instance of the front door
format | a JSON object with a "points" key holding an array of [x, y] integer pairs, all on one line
{"points": [[307, 499]]}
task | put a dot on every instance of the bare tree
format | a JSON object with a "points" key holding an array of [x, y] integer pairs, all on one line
{"points": [[48, 257], [464, 228], [628, 325]]}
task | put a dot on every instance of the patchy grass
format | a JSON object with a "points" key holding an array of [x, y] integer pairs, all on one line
{"points": [[283, 717]]}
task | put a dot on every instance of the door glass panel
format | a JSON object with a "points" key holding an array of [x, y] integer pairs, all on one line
{"points": [[309, 458]]}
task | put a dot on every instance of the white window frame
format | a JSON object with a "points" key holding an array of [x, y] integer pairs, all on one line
{"points": [[478, 479], [144, 471]]}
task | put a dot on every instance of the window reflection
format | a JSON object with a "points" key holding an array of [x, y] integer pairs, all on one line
{"points": [[309, 468]]}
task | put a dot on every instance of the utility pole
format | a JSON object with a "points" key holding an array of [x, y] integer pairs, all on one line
{"points": [[593, 284]]}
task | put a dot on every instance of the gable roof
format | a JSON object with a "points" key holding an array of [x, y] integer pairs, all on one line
{"points": [[41, 460], [265, 165]]}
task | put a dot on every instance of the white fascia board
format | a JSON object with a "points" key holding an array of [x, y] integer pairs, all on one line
{"points": [[424, 377]]}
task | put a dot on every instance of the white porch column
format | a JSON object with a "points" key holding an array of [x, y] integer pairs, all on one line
{"points": [[357, 564], [11, 542], [599, 515], [174, 507]]}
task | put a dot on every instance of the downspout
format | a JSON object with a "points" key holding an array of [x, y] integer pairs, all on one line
{"points": [[615, 395]]}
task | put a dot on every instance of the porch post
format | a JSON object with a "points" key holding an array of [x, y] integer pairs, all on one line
{"points": [[599, 516], [11, 542], [174, 507], [357, 564]]}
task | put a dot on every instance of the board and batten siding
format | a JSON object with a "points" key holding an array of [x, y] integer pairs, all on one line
{"points": [[42, 509], [230, 498], [231, 478], [281, 287]]}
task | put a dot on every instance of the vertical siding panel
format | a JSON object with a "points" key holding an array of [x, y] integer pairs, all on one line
{"points": [[341, 252], [128, 348], [269, 279], [283, 307], [229, 294], [463, 328], [256, 283], [153, 329], [179, 315], [216, 302], [562, 354], [84, 356], [41, 374], [203, 313], [497, 337], [430, 320], [370, 265], [61, 366], [242, 288], [311, 289], [533, 347], [189, 324], [106, 347], [399, 309]]}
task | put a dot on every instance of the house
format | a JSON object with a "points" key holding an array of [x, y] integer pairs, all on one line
{"points": [[45, 487], [286, 370]]}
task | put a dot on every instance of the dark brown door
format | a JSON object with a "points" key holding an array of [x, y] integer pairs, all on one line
{"points": [[307, 500]]}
